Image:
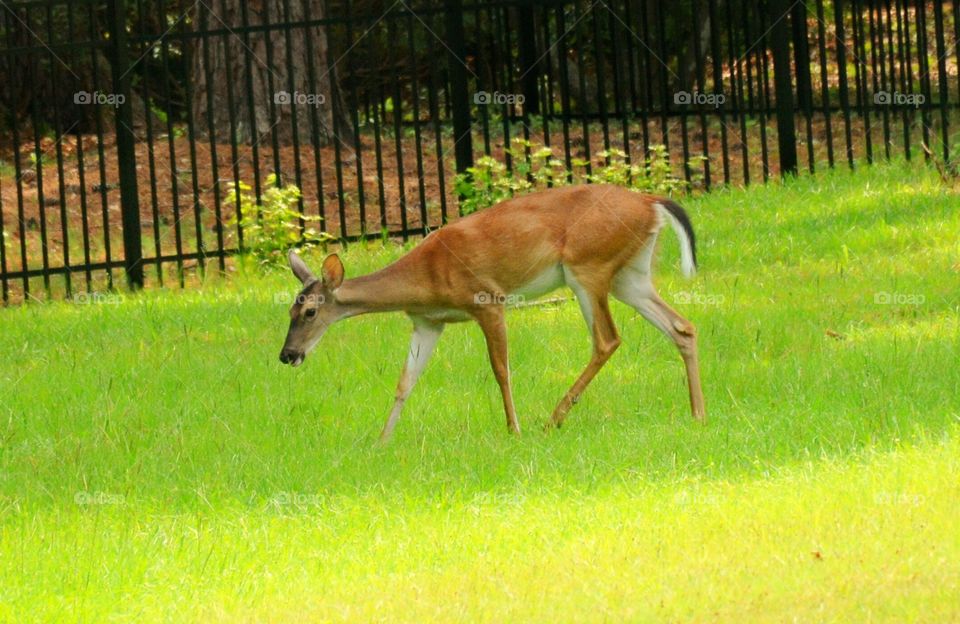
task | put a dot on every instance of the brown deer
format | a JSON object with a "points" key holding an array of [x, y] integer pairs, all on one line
{"points": [[596, 239]]}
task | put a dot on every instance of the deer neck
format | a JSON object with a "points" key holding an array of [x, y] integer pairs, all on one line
{"points": [[387, 290]]}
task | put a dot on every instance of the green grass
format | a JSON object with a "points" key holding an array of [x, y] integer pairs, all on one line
{"points": [[158, 463]]}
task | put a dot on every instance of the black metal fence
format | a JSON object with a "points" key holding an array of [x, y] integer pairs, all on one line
{"points": [[134, 131]]}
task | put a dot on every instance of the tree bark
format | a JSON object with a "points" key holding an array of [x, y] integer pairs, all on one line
{"points": [[254, 84]]}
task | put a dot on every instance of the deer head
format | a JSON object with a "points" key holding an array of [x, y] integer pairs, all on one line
{"points": [[314, 309]]}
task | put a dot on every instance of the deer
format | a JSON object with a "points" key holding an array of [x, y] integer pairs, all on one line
{"points": [[598, 240]]}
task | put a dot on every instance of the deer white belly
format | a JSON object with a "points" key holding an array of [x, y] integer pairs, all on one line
{"points": [[445, 315], [546, 281]]}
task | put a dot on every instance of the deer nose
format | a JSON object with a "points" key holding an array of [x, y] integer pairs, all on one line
{"points": [[291, 356]]}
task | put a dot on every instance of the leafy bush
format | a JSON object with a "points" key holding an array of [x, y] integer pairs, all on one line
{"points": [[273, 226], [537, 167]]}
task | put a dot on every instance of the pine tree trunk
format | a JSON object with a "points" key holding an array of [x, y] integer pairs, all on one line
{"points": [[275, 81]]}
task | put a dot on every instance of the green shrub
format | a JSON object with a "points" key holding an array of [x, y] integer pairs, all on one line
{"points": [[536, 167], [273, 226]]}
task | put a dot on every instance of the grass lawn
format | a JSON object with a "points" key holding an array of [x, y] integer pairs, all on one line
{"points": [[158, 463]]}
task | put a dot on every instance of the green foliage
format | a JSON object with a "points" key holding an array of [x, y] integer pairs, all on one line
{"points": [[273, 226], [653, 175], [485, 184], [158, 112], [536, 167]]}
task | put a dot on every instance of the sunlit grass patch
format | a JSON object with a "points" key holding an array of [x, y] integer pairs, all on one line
{"points": [[157, 462]]}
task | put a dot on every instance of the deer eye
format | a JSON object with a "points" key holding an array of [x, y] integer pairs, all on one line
{"points": [[312, 312]]}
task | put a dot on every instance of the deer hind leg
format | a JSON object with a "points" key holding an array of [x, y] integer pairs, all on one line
{"points": [[634, 287], [596, 311], [491, 321], [425, 336]]}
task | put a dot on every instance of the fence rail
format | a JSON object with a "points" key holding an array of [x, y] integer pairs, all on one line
{"points": [[130, 127]]}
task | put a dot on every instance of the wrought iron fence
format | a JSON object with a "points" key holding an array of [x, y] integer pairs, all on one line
{"points": [[134, 131]]}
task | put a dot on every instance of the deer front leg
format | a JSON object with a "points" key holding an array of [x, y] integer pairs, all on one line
{"points": [[425, 336], [491, 321]]}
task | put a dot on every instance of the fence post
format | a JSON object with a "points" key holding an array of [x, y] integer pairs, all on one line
{"points": [[801, 55], [528, 58], [783, 87], [460, 98], [126, 154]]}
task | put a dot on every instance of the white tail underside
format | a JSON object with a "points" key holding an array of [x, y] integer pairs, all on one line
{"points": [[687, 265]]}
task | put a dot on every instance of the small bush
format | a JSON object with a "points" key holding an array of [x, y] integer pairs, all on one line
{"points": [[537, 167], [273, 226]]}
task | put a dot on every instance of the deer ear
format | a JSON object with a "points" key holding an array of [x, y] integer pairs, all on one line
{"points": [[332, 272], [300, 269]]}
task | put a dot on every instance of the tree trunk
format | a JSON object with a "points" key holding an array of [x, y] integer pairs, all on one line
{"points": [[258, 83]]}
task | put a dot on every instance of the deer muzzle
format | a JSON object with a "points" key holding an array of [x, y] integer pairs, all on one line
{"points": [[292, 357]]}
